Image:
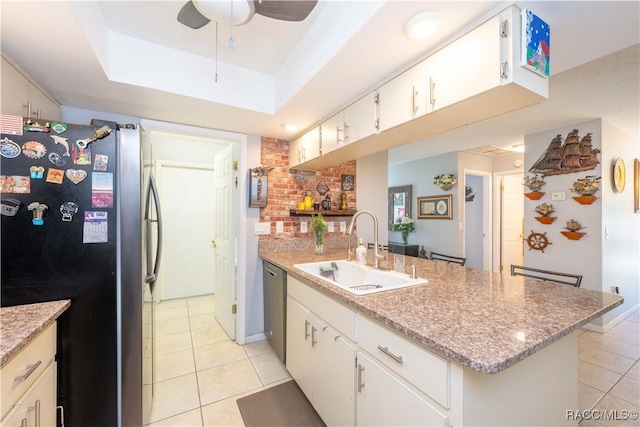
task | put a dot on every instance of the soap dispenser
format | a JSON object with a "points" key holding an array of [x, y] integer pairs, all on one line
{"points": [[361, 253]]}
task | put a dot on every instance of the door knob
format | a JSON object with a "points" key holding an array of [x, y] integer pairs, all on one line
{"points": [[213, 244]]}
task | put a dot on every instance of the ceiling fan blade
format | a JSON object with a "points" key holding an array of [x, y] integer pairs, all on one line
{"points": [[285, 10], [191, 17]]}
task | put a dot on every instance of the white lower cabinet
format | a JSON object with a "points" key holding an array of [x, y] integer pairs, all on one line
{"points": [[384, 399], [322, 363], [29, 384], [38, 406]]}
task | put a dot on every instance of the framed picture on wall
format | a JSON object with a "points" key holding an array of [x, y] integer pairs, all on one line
{"points": [[535, 43], [258, 185], [348, 182], [435, 207]]}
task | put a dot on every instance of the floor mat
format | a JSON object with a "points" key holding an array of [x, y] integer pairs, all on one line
{"points": [[282, 405]]}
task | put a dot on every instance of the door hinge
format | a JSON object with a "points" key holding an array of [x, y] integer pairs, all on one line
{"points": [[235, 165], [234, 308], [501, 268], [504, 29], [376, 98], [236, 182]]}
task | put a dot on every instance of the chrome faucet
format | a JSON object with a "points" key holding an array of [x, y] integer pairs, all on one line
{"points": [[376, 256]]}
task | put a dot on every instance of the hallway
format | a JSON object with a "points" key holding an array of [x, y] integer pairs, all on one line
{"points": [[200, 373]]}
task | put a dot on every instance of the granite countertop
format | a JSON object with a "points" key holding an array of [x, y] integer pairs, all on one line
{"points": [[20, 324], [486, 321]]}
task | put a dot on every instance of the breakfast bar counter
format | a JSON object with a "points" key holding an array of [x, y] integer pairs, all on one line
{"points": [[486, 321]]}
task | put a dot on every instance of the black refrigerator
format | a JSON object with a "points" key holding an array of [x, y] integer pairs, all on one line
{"points": [[71, 229]]}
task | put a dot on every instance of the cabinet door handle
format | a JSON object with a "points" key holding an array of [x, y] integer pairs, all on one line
{"points": [[386, 351], [306, 329], [30, 369], [313, 336], [36, 408], [338, 130], [360, 383], [432, 91], [414, 99], [23, 423]]}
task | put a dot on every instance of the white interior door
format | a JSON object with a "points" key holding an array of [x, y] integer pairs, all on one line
{"points": [[187, 208], [224, 241], [512, 208]]}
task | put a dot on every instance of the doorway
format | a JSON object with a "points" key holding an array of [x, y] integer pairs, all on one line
{"points": [[188, 204], [477, 219], [510, 221]]}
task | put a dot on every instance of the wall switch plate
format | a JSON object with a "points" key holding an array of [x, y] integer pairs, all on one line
{"points": [[261, 228], [343, 226], [303, 226], [559, 196], [279, 226], [331, 227]]}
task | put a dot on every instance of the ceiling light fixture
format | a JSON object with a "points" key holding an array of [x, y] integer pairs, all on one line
{"points": [[422, 25], [240, 12], [289, 127], [519, 148]]}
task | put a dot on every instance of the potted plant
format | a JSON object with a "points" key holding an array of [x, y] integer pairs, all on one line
{"points": [[445, 181], [404, 225], [319, 226]]}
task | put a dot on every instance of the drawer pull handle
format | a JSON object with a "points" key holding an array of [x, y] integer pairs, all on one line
{"points": [[30, 369], [314, 341], [360, 383], [36, 408], [386, 351]]}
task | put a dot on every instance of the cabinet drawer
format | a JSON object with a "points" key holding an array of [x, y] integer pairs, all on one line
{"points": [[337, 315], [423, 369], [40, 352]]}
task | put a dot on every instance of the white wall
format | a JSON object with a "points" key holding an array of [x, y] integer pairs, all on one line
{"points": [[474, 223], [371, 195], [79, 116]]}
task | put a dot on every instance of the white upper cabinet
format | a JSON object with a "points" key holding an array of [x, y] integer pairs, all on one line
{"points": [[360, 118], [466, 67], [21, 97], [305, 148], [405, 97], [355, 122], [332, 131]]}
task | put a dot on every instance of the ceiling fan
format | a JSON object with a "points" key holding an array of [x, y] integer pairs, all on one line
{"points": [[198, 13]]}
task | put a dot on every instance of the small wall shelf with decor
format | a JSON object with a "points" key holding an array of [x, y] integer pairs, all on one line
{"points": [[304, 212]]}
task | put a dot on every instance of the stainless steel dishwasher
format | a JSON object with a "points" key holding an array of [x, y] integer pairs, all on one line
{"points": [[274, 281]]}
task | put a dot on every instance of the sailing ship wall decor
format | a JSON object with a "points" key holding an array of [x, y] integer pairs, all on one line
{"points": [[574, 154]]}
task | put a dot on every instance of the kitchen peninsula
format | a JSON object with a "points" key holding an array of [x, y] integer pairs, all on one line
{"points": [[489, 349]]}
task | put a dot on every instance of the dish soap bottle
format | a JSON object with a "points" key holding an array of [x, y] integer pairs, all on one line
{"points": [[361, 253]]}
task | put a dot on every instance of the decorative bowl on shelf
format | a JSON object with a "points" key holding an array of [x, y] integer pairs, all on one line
{"points": [[585, 200], [573, 235], [545, 219], [445, 181], [534, 195]]}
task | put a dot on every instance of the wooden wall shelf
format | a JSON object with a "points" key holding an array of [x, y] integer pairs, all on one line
{"points": [[297, 212]]}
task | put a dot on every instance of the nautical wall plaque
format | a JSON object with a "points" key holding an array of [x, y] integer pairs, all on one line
{"points": [[574, 154]]}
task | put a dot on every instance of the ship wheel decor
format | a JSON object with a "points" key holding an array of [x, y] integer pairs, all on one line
{"points": [[537, 241], [573, 154]]}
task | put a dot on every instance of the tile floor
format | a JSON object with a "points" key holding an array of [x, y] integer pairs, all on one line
{"points": [[200, 373], [609, 371]]}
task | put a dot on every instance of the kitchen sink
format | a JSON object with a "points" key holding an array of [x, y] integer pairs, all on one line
{"points": [[358, 279]]}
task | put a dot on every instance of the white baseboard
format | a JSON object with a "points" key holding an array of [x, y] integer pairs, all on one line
{"points": [[612, 323], [255, 338]]}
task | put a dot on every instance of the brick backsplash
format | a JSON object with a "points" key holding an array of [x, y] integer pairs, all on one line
{"points": [[287, 187]]}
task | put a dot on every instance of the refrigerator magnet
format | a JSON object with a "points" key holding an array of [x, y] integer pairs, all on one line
{"points": [[34, 150], [76, 175], [38, 210], [100, 162], [9, 148], [56, 159], [36, 172], [62, 141], [55, 176], [81, 156], [68, 210], [59, 127]]}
